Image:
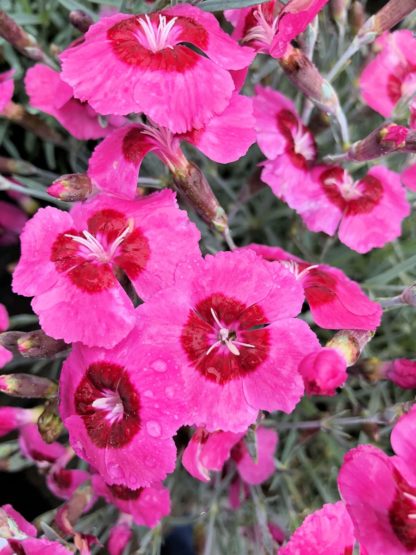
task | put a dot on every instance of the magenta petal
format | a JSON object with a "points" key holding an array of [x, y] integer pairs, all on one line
{"points": [[233, 128], [402, 437], [328, 531], [256, 472], [408, 177], [6, 88]]}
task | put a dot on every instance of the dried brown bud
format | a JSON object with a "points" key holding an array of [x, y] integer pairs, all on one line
{"points": [[193, 185], [386, 18], [36, 344], [80, 20], [27, 385], [350, 344], [71, 187], [386, 139], [50, 425], [356, 16], [19, 39]]}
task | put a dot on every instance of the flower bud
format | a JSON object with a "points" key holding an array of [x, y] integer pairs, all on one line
{"points": [[306, 77], [19, 39], [386, 18], [72, 187], [27, 385], [50, 425], [323, 371], [356, 16], [80, 20], [193, 185], [36, 344], [350, 344], [384, 140], [409, 295], [401, 371]]}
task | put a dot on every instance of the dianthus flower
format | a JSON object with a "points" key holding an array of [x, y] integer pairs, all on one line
{"points": [[12, 221], [391, 75], [228, 322], [115, 163], [328, 531], [323, 372], [6, 88], [367, 213], [121, 408], [63, 482], [380, 492], [12, 418], [34, 448], [286, 142], [142, 63], [147, 505], [79, 256], [270, 27], [401, 371], [120, 535], [47, 92], [336, 302], [17, 535]]}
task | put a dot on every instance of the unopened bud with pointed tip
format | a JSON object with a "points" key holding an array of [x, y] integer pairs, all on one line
{"points": [[19, 39], [386, 18], [72, 187], [50, 425], [193, 185], [80, 20], [28, 386], [356, 16], [350, 344], [384, 140], [408, 296], [36, 344]]}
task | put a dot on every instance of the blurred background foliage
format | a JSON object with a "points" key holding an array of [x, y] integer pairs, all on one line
{"points": [[315, 437]]}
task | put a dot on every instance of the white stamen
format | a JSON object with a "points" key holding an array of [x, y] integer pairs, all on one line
{"points": [[410, 496], [264, 31], [216, 320], [157, 37], [224, 338], [112, 404], [304, 143]]}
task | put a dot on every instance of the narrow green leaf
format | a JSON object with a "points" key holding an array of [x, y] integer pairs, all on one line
{"points": [[76, 5], [219, 5]]}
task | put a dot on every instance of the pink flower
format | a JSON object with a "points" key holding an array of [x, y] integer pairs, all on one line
{"points": [[47, 92], [115, 163], [336, 302], [12, 418], [12, 221], [19, 536], [6, 88], [408, 177], [270, 27], [367, 213], [5, 355], [119, 537], [209, 452], [391, 75], [121, 408], [402, 372], [78, 257], [63, 482], [328, 531], [289, 145], [137, 59], [34, 448], [256, 471], [380, 492], [147, 505], [323, 372], [229, 324]]}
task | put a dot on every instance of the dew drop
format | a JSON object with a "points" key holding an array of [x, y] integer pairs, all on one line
{"points": [[153, 428], [115, 472], [159, 365]]}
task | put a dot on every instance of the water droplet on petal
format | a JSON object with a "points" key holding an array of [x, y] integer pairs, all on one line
{"points": [[170, 392], [116, 472], [153, 428], [159, 365]]}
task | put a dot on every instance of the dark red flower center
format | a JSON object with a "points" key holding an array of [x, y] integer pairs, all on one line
{"points": [[402, 82], [224, 339], [108, 404], [360, 197], [157, 42], [124, 493], [402, 513], [63, 478], [90, 258], [300, 144]]}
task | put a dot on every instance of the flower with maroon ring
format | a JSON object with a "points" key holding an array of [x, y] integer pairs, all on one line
{"points": [[366, 213], [79, 256], [391, 76], [336, 302], [121, 408], [47, 92], [137, 59], [271, 26], [289, 145], [34, 448], [328, 531], [147, 505], [229, 323], [115, 163], [380, 492]]}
